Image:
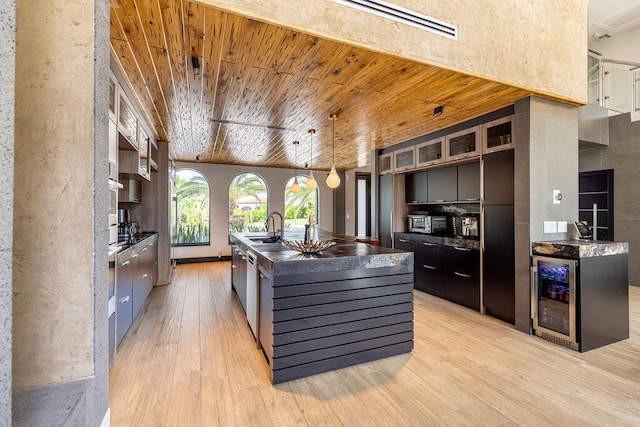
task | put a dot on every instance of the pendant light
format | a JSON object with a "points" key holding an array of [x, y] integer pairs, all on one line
{"points": [[312, 184], [333, 180], [295, 187]]}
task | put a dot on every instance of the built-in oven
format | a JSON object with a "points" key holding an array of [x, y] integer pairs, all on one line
{"points": [[553, 300]]}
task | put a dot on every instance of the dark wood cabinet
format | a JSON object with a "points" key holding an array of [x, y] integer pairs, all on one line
{"points": [[462, 275], [416, 187], [449, 272], [469, 182], [428, 271], [442, 184], [499, 236], [405, 245], [498, 178], [385, 191]]}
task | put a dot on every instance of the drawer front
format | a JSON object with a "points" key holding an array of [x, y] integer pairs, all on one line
{"points": [[429, 253], [429, 278], [405, 245], [463, 289], [462, 260]]}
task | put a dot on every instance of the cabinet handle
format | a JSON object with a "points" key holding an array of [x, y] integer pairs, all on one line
{"points": [[135, 256], [144, 249], [429, 267], [126, 262], [458, 248], [428, 244], [233, 266], [439, 200], [403, 240], [244, 257], [462, 274], [145, 275], [125, 300]]}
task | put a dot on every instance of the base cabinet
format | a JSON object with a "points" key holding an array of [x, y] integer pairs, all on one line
{"points": [[462, 278], [428, 268], [239, 275], [447, 270]]}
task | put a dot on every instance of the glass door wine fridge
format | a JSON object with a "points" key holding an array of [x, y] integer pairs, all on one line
{"points": [[553, 300]]}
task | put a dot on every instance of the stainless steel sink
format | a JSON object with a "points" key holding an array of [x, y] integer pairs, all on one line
{"points": [[270, 247]]}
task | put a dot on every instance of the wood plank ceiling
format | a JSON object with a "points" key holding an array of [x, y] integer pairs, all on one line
{"points": [[259, 75]]}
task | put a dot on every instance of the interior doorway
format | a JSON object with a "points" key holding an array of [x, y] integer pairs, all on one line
{"points": [[595, 198], [363, 204]]}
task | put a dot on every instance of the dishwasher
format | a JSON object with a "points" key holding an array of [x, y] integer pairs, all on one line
{"points": [[252, 292]]}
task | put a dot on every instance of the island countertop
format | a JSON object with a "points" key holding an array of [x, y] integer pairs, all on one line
{"points": [[349, 304], [278, 260]]}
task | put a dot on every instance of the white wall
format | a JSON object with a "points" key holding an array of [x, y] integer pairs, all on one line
{"points": [[220, 177], [621, 47]]}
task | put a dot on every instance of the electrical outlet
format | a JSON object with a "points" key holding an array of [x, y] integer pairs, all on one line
{"points": [[550, 227], [562, 226]]}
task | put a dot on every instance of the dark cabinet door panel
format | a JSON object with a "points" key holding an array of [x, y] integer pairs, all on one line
{"points": [[429, 278], [429, 253], [385, 209], [499, 262], [498, 178], [443, 184], [463, 289], [469, 182], [405, 245]]}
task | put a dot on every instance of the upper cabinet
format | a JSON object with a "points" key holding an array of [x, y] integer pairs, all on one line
{"points": [[463, 144], [127, 121], [144, 150], [385, 163], [430, 153], [404, 159], [496, 135]]}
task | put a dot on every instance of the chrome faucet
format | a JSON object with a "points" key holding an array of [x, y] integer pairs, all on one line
{"points": [[270, 217]]}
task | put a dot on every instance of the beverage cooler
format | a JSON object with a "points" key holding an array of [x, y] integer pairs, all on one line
{"points": [[553, 300]]}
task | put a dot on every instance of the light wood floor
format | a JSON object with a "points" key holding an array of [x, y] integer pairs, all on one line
{"points": [[189, 360]]}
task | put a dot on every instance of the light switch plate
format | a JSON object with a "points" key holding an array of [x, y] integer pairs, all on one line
{"points": [[562, 226], [550, 227]]}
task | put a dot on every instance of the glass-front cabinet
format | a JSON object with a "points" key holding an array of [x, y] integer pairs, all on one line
{"points": [[497, 135], [430, 153], [385, 163], [463, 144], [404, 159]]}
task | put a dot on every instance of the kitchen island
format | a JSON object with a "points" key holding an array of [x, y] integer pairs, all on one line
{"points": [[349, 304]]}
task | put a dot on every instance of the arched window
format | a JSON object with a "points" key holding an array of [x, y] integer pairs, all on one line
{"points": [[192, 208], [247, 203], [298, 207]]}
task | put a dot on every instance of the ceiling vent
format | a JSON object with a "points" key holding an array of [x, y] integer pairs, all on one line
{"points": [[405, 16]]}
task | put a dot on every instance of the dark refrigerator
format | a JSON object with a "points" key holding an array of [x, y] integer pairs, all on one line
{"points": [[499, 236]]}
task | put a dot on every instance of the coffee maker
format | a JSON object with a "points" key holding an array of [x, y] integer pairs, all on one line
{"points": [[466, 226], [126, 228]]}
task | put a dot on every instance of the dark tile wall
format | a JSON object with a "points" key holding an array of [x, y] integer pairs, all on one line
{"points": [[623, 156]]}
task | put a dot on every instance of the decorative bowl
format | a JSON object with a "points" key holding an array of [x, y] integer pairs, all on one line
{"points": [[308, 248]]}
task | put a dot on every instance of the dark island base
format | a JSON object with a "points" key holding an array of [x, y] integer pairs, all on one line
{"points": [[314, 323]]}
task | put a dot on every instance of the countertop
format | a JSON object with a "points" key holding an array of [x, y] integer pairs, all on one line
{"points": [[576, 249], [347, 254], [135, 239], [465, 242]]}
